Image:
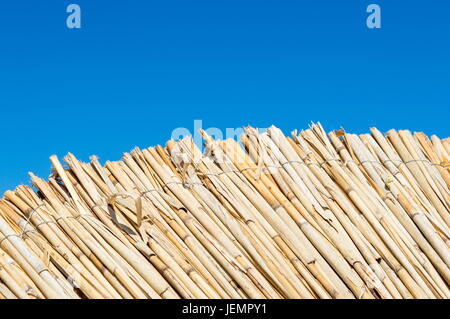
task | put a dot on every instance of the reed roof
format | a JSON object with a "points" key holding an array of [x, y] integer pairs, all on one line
{"points": [[310, 215]]}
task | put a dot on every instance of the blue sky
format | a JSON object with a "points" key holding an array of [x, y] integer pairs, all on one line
{"points": [[138, 69]]}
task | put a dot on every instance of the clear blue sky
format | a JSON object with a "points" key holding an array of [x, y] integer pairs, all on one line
{"points": [[138, 69]]}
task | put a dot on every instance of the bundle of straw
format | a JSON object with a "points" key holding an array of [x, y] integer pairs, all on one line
{"points": [[313, 215]]}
